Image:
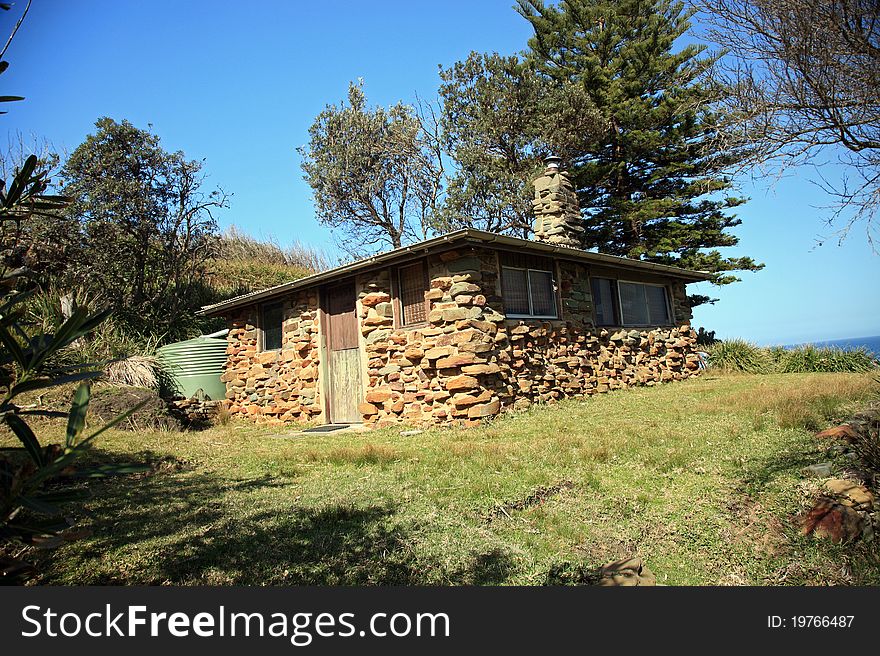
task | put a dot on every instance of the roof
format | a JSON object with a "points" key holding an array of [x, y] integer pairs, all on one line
{"points": [[466, 236]]}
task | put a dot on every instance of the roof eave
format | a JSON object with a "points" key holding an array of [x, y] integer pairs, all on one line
{"points": [[465, 234]]}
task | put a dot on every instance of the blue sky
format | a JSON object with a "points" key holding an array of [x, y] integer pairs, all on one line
{"points": [[239, 84]]}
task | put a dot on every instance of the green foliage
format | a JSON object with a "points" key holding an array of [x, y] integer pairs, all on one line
{"points": [[375, 177], [29, 510], [243, 264], [605, 84], [653, 185], [148, 229], [706, 337], [500, 119], [738, 355], [810, 358]]}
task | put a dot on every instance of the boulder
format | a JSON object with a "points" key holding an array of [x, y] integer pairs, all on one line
{"points": [[627, 572], [819, 470], [850, 493], [842, 432], [832, 521]]}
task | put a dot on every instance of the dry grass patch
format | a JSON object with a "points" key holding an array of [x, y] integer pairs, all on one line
{"points": [[368, 454]]}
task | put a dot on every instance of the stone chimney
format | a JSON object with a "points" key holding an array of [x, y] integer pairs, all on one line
{"points": [[557, 214]]}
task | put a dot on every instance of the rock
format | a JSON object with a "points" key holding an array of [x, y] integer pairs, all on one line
{"points": [[410, 433], [378, 396], [375, 298], [850, 493], [627, 572], [461, 383], [463, 288], [438, 352], [413, 353], [832, 521], [481, 369], [367, 409], [484, 409], [819, 470], [454, 314], [378, 335], [455, 361], [842, 432]]}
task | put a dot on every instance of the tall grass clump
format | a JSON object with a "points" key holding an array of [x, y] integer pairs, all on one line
{"points": [[111, 340], [738, 355], [243, 264], [135, 371], [236, 245], [812, 359]]}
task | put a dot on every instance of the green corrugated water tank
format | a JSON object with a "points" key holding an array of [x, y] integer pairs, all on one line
{"points": [[196, 364]]}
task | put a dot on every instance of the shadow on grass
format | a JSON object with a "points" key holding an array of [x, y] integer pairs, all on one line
{"points": [[195, 527], [759, 473]]}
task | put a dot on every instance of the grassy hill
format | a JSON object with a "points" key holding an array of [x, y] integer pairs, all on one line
{"points": [[245, 264], [701, 479]]}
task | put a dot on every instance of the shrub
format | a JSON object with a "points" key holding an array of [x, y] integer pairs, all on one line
{"points": [[809, 359], [738, 355], [743, 356]]}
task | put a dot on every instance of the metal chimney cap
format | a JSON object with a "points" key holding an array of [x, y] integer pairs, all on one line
{"points": [[552, 162]]}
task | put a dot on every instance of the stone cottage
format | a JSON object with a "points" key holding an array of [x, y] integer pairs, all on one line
{"points": [[460, 327]]}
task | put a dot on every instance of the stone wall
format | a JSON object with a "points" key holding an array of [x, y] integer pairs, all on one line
{"points": [[443, 371], [467, 361], [280, 385]]}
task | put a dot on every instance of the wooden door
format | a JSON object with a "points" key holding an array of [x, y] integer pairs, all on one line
{"points": [[345, 382]]}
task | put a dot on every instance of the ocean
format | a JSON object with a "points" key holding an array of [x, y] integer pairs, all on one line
{"points": [[870, 343]]}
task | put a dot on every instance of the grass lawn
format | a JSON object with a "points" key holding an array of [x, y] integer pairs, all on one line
{"points": [[701, 479]]}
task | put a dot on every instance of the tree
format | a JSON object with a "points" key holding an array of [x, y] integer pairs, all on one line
{"points": [[654, 185], [148, 226], [500, 120], [806, 81], [376, 178]]}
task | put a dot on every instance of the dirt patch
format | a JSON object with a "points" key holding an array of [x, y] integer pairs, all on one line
{"points": [[107, 403], [752, 524], [535, 498]]}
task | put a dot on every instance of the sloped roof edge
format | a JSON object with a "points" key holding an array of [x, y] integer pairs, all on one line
{"points": [[463, 235]]}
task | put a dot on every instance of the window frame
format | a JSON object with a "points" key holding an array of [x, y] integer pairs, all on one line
{"points": [[263, 307], [531, 315], [399, 313], [665, 289], [618, 304]]}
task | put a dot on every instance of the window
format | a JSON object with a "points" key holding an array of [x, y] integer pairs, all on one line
{"points": [[528, 292], [626, 303], [604, 301], [272, 319], [411, 285]]}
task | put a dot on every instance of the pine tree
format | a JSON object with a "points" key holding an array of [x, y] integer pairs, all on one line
{"points": [[653, 184]]}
